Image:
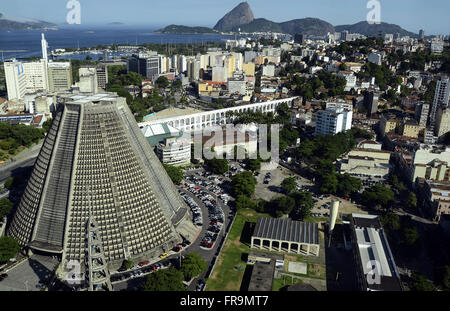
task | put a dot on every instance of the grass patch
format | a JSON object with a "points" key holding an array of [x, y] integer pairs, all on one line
{"points": [[225, 275]]}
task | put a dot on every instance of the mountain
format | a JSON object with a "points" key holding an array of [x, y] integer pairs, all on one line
{"points": [[179, 29], [367, 29], [259, 25], [7, 23], [240, 15], [307, 26]]}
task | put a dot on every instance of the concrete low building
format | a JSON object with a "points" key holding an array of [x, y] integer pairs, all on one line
{"points": [[285, 235]]}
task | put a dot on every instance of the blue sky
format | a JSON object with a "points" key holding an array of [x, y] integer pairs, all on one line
{"points": [[431, 15]]}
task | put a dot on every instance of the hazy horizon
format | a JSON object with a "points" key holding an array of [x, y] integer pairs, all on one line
{"points": [[412, 15]]}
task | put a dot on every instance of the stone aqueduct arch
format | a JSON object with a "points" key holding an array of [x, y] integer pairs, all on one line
{"points": [[216, 117]]}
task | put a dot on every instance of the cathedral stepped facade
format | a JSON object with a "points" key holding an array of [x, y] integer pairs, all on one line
{"points": [[95, 162]]}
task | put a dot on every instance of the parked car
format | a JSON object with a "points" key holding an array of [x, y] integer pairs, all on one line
{"points": [[143, 263], [163, 255]]}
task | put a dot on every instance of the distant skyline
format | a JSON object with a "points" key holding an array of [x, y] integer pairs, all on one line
{"points": [[412, 15]]}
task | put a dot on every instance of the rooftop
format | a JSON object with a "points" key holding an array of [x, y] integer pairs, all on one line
{"points": [[374, 253], [286, 230]]}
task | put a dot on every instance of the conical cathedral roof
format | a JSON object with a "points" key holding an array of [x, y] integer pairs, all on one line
{"points": [[96, 161]]}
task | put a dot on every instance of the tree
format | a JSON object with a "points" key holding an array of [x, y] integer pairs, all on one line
{"points": [[303, 205], [254, 164], [410, 235], [282, 205], [243, 201], [347, 184], [243, 184], [165, 280], [289, 185], [328, 183], [390, 221], [192, 265], [217, 166], [5, 207], [9, 183], [420, 283], [128, 264], [9, 247], [175, 173], [162, 82], [411, 201], [46, 125], [177, 84], [378, 195]]}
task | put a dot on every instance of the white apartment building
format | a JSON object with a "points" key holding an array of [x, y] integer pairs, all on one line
{"points": [[333, 120], [36, 75], [268, 70], [16, 83]]}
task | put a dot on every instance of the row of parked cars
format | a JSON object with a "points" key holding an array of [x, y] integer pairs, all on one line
{"points": [[140, 271], [196, 211]]}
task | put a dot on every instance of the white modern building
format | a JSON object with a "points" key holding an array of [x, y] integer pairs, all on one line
{"points": [[16, 83], [334, 119]]}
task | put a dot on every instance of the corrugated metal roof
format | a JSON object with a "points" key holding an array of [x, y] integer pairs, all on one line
{"points": [[286, 230]]}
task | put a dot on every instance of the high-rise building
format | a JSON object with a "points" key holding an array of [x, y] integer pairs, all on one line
{"points": [[437, 46], [59, 76], [440, 97], [88, 79], [300, 38], [334, 119], [16, 84], [33, 75], [371, 102], [421, 113], [345, 35], [95, 164], [146, 64], [36, 75], [421, 34], [102, 76], [442, 122], [44, 47], [219, 74]]}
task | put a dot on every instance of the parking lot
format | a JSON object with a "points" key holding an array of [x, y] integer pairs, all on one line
{"points": [[208, 202]]}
